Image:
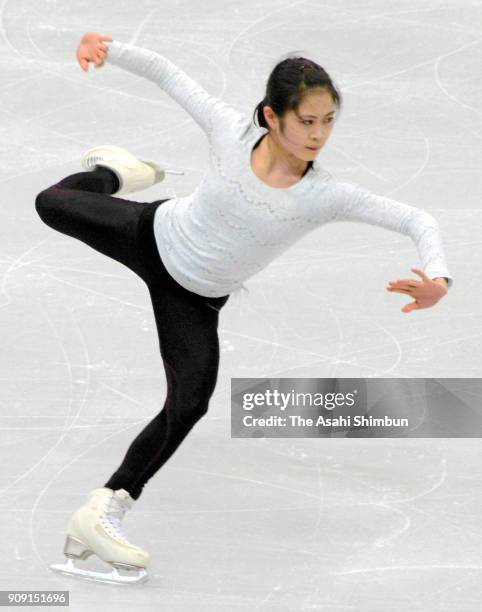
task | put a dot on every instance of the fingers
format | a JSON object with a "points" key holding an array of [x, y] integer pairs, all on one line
{"points": [[105, 37], [406, 291], [99, 57], [409, 307], [421, 273], [84, 64], [401, 285], [405, 283], [101, 54]]}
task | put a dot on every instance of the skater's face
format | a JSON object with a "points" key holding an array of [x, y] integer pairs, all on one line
{"points": [[303, 132]]}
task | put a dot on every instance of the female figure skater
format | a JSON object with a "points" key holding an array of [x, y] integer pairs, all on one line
{"points": [[261, 193]]}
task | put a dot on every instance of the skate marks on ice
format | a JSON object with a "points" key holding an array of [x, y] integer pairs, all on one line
{"points": [[366, 535]]}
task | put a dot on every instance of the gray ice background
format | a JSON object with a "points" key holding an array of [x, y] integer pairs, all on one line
{"points": [[244, 525]]}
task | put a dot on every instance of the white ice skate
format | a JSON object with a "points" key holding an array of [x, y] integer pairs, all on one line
{"points": [[133, 174], [95, 529]]}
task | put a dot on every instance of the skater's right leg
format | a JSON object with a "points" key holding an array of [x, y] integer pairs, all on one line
{"points": [[99, 180], [80, 206]]}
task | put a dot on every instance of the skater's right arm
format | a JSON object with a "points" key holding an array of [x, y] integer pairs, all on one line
{"points": [[205, 109]]}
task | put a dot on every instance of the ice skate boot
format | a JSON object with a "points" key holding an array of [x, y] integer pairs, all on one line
{"points": [[95, 529], [133, 174]]}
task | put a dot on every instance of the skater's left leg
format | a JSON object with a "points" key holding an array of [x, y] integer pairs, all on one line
{"points": [[189, 347]]}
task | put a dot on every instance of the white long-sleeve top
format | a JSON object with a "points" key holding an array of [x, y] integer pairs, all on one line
{"points": [[233, 224]]}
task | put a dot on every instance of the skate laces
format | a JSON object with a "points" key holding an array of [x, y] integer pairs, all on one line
{"points": [[115, 509], [94, 159]]}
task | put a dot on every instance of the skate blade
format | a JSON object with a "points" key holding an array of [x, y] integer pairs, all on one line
{"points": [[113, 577]]}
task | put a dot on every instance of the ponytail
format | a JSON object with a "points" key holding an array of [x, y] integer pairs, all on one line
{"points": [[260, 115]]}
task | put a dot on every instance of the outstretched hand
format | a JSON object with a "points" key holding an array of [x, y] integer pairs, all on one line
{"points": [[92, 49], [426, 292]]}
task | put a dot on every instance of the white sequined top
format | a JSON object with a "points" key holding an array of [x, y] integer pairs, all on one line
{"points": [[234, 224]]}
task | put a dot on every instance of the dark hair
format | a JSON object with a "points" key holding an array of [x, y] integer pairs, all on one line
{"points": [[289, 82]]}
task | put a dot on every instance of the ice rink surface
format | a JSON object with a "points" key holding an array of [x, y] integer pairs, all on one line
{"points": [[260, 525]]}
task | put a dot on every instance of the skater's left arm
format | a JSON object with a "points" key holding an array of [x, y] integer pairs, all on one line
{"points": [[351, 202], [207, 110]]}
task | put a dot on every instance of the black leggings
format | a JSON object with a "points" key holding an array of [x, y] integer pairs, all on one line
{"points": [[187, 323]]}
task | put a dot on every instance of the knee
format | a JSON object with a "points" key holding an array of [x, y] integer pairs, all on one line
{"points": [[41, 203], [189, 414], [44, 205], [192, 400], [191, 385]]}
